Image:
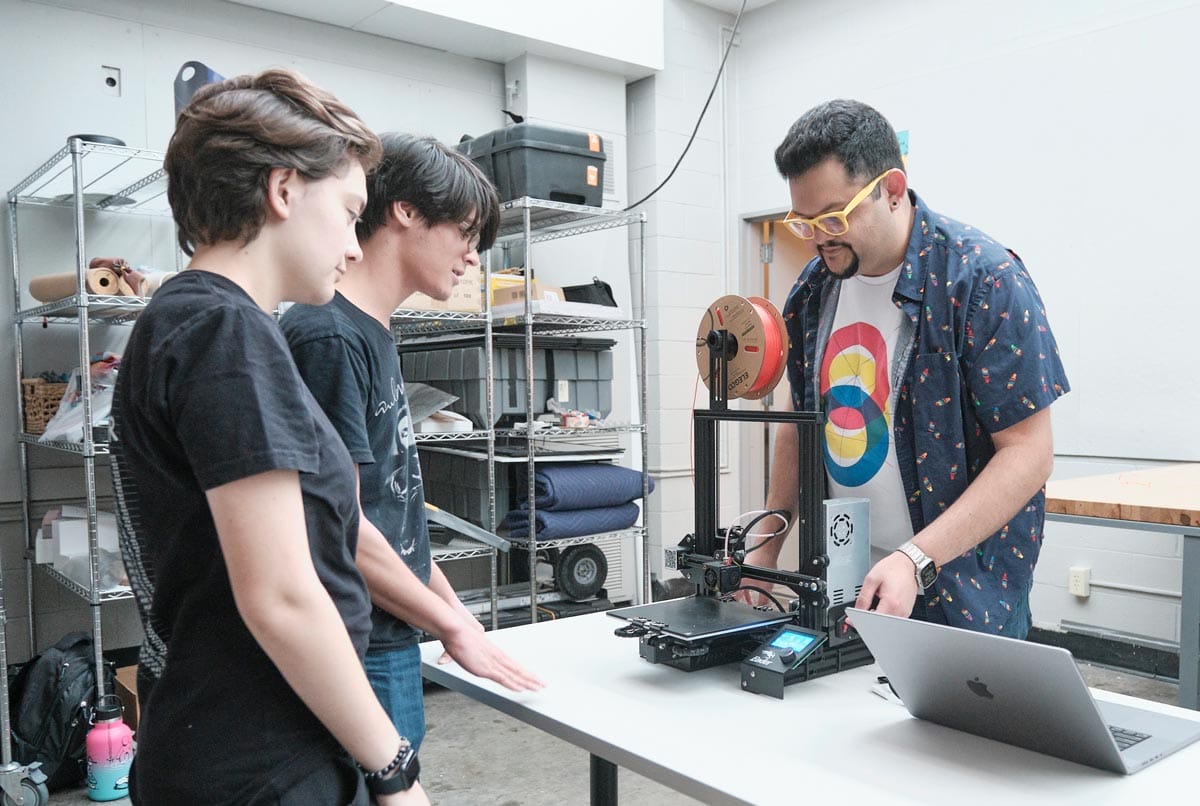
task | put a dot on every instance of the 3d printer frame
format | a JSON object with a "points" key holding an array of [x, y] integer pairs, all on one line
{"points": [[704, 631], [704, 542]]}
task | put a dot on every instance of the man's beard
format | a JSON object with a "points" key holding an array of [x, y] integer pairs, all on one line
{"points": [[850, 270]]}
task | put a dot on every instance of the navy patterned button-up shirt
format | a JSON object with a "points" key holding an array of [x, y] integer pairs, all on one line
{"points": [[975, 355]]}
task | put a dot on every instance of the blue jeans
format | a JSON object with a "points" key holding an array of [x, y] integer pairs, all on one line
{"points": [[395, 674], [1020, 620]]}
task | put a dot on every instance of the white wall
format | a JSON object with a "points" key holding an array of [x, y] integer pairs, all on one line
{"points": [[54, 90], [1062, 130], [686, 253], [1052, 126]]}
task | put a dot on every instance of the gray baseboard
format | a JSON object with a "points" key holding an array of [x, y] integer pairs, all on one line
{"points": [[1143, 658]]}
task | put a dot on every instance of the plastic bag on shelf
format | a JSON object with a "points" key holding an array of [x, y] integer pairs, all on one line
{"points": [[111, 576], [67, 424]]}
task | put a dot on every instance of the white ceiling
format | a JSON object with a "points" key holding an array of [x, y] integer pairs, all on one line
{"points": [[732, 6], [420, 27]]}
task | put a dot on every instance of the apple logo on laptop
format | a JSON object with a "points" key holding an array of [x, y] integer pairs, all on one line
{"points": [[979, 689]]}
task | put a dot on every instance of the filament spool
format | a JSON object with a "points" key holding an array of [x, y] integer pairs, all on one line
{"points": [[757, 358]]}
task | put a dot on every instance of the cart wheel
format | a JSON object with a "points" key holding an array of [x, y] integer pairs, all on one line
{"points": [[31, 795], [581, 571]]}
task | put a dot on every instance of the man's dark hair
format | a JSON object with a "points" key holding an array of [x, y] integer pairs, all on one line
{"points": [[856, 134], [233, 133], [442, 184]]}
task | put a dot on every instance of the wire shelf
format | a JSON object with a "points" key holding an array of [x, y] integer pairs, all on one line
{"points": [[555, 324], [98, 448], [563, 542], [567, 434], [550, 220], [114, 310], [407, 322], [456, 436], [81, 590], [115, 179], [459, 548]]}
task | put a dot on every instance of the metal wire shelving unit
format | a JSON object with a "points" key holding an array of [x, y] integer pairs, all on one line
{"points": [[527, 221], [524, 222], [82, 177]]}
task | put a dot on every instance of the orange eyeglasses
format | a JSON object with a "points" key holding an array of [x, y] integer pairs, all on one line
{"points": [[831, 223]]}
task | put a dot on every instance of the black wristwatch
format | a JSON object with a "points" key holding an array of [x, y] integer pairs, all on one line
{"points": [[926, 571], [397, 776]]}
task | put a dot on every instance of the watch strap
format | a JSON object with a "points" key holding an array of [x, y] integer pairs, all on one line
{"points": [[397, 776], [924, 570]]}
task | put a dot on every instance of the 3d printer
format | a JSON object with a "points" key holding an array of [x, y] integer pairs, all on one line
{"points": [[741, 343]]}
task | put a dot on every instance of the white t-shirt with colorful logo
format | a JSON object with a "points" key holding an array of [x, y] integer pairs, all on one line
{"points": [[856, 389]]}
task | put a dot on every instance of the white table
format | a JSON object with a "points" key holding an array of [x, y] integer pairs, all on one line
{"points": [[831, 737], [1162, 499]]}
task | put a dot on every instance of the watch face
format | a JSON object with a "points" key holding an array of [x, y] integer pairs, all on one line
{"points": [[927, 575]]}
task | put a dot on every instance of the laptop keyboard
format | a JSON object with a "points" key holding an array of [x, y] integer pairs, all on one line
{"points": [[1127, 738]]}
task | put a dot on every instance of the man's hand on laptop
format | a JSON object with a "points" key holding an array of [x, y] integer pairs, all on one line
{"points": [[892, 582]]}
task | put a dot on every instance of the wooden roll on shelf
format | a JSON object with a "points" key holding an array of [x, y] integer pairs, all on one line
{"points": [[104, 281]]}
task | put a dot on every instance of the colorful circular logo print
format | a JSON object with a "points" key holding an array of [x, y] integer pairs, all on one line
{"points": [[855, 388]]}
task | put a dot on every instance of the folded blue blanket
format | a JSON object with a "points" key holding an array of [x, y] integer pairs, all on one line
{"points": [[573, 522], [586, 486]]}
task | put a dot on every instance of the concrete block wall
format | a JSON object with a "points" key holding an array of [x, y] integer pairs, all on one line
{"points": [[688, 238]]}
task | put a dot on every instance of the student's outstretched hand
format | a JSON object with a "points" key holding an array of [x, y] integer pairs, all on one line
{"points": [[413, 796], [893, 582], [472, 650]]}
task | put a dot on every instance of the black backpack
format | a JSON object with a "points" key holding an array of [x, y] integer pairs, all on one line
{"points": [[51, 700]]}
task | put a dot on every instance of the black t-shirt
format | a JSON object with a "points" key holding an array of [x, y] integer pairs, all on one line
{"points": [[348, 359], [207, 395]]}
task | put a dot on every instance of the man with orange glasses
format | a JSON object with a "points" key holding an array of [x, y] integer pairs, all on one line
{"points": [[926, 345]]}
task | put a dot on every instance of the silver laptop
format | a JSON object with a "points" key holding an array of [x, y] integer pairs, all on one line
{"points": [[1017, 692]]}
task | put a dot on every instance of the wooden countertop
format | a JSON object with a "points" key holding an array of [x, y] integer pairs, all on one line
{"points": [[1169, 495]]}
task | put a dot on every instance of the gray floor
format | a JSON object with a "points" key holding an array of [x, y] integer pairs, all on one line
{"points": [[475, 756]]}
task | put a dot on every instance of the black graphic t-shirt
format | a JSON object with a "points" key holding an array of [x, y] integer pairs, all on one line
{"points": [[348, 359], [208, 394]]}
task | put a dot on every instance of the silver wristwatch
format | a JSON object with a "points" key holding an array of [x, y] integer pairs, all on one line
{"points": [[926, 571]]}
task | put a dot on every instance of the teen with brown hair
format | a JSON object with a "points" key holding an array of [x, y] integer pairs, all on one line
{"points": [[240, 515]]}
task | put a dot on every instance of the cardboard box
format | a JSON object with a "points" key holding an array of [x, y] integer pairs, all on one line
{"points": [[125, 687], [467, 296], [508, 294]]}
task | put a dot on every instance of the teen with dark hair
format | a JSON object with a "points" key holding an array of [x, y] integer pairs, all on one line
{"points": [[926, 345], [239, 515], [428, 210]]}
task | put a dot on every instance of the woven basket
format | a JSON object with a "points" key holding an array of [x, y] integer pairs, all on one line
{"points": [[41, 402]]}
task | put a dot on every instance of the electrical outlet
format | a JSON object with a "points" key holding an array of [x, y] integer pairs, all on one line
{"points": [[110, 80], [1079, 581]]}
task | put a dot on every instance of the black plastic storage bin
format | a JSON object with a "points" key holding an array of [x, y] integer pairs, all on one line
{"points": [[457, 365], [459, 484], [543, 162]]}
